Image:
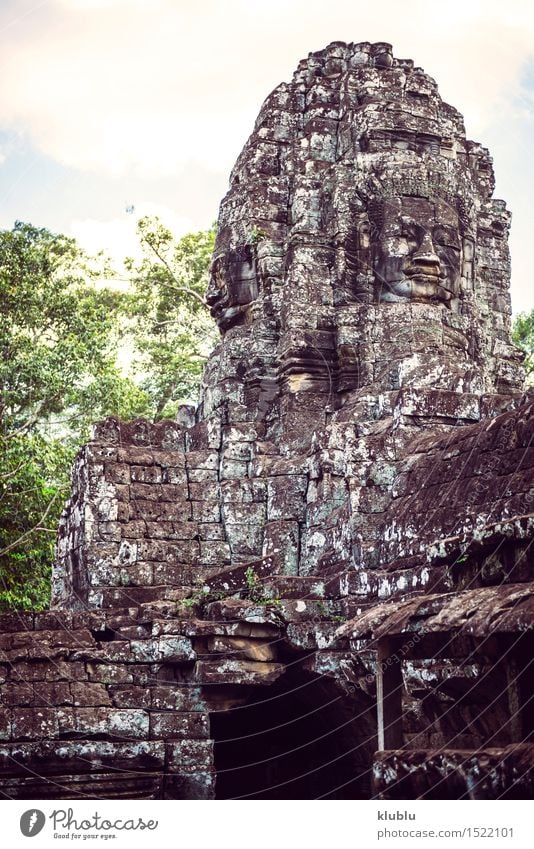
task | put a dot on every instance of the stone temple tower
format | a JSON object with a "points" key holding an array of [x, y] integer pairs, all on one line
{"points": [[359, 249], [331, 563]]}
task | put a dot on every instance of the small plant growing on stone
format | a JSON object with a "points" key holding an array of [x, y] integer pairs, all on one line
{"points": [[252, 579], [192, 601], [254, 590], [269, 602], [200, 598], [255, 235]]}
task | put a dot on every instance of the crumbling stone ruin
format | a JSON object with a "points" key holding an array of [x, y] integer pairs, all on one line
{"points": [[319, 583]]}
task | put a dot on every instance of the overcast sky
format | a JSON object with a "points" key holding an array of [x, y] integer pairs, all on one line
{"points": [[106, 104]]}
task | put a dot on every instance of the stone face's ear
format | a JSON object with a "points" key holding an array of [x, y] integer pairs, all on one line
{"points": [[468, 264], [481, 167], [243, 277], [217, 285]]}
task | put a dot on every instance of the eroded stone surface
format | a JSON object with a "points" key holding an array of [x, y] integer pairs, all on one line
{"points": [[354, 488]]}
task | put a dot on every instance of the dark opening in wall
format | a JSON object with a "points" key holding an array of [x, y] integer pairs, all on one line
{"points": [[301, 738]]}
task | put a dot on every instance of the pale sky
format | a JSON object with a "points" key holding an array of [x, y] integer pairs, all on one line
{"points": [[110, 103]]}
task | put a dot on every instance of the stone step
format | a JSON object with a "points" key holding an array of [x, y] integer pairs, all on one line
{"points": [[294, 586], [209, 628], [278, 611], [229, 671], [369, 584], [240, 577]]}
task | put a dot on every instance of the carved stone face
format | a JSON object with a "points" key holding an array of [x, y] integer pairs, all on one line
{"points": [[416, 250], [233, 286]]}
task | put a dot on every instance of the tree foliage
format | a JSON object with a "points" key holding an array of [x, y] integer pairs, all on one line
{"points": [[64, 337], [523, 336], [58, 373], [172, 332]]}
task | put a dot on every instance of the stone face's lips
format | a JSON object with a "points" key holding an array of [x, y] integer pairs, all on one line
{"points": [[430, 271]]}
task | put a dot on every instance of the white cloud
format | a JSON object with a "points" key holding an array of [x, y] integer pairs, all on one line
{"points": [[117, 237], [114, 85]]}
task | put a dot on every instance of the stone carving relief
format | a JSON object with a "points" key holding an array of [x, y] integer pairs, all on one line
{"points": [[233, 286]]}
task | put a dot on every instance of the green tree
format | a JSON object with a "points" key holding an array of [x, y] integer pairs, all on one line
{"points": [[58, 373], [63, 334], [171, 329], [523, 336]]}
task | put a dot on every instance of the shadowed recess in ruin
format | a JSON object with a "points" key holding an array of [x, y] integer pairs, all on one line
{"points": [[297, 739]]}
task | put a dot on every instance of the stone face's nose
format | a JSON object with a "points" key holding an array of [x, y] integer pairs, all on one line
{"points": [[216, 290], [426, 256]]}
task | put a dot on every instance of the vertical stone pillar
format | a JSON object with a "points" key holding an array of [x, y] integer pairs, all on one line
{"points": [[513, 673], [389, 696]]}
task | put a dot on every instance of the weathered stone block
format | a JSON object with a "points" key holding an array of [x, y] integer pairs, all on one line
{"points": [[243, 491], [146, 491], [5, 724], [171, 724], [190, 786], [204, 491], [109, 673], [145, 474], [214, 553], [211, 531], [179, 511], [206, 511], [103, 722], [281, 544], [186, 698], [185, 551], [124, 696], [202, 460], [245, 540], [202, 475], [34, 723], [286, 497], [190, 756], [176, 574], [117, 472], [236, 513], [233, 469], [87, 694], [167, 648], [137, 575], [171, 530]]}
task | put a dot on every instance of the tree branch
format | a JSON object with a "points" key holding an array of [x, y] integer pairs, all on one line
{"points": [[180, 286], [14, 472], [36, 527]]}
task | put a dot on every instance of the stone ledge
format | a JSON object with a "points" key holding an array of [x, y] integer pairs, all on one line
{"points": [[491, 773]]}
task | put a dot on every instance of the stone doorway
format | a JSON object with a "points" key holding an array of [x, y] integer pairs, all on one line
{"points": [[300, 738]]}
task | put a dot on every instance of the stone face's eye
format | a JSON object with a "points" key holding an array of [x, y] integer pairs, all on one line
{"points": [[411, 231], [374, 230], [447, 237]]}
